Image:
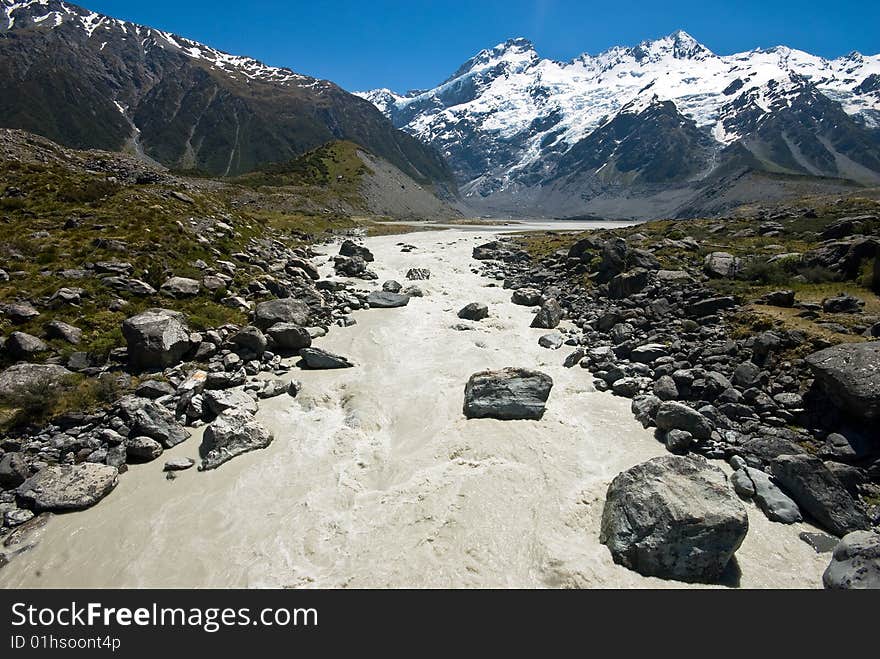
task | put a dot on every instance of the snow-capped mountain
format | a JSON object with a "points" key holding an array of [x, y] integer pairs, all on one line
{"points": [[90, 81], [512, 125]]}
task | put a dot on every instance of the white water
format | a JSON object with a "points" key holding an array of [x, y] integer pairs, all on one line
{"points": [[376, 479]]}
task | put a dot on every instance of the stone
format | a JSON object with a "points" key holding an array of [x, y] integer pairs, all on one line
{"points": [[418, 274], [146, 417], [628, 283], [351, 248], [180, 287], [218, 401], [710, 306], [674, 415], [527, 297], [816, 491], [178, 464], [20, 378], [678, 441], [645, 408], [549, 316], [855, 563], [722, 265], [142, 449], [154, 389], [19, 312], [232, 433], [392, 286], [289, 337], [552, 341], [746, 374], [780, 298], [665, 388], [474, 311], [645, 354], [509, 393], [14, 470], [842, 303], [67, 487], [21, 345], [251, 339], [156, 338], [58, 330], [822, 543], [849, 374], [282, 310], [131, 286], [673, 517], [776, 505], [315, 358], [386, 300]]}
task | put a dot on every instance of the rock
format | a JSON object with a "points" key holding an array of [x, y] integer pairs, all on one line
{"points": [[283, 310], [386, 300], [815, 490], [21, 345], [710, 306], [272, 388], [180, 287], [626, 387], [645, 354], [674, 415], [509, 393], [354, 266], [156, 338], [549, 316], [674, 517], [350, 248], [574, 358], [418, 274], [665, 388], [627, 283], [232, 433], [391, 286], [218, 401], [413, 291], [474, 311], [746, 375], [17, 517], [527, 297], [59, 330], [251, 339], [780, 298], [821, 543], [842, 303], [154, 389], [290, 337], [552, 341], [778, 506], [67, 487], [178, 464], [645, 408], [849, 374], [130, 286], [20, 378], [14, 470], [143, 449], [678, 441], [722, 265], [855, 563], [146, 417], [19, 312], [316, 358]]}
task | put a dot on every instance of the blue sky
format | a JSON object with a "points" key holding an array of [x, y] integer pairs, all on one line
{"points": [[408, 45]]}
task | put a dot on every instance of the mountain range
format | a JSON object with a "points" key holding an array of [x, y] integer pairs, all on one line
{"points": [[663, 128]]}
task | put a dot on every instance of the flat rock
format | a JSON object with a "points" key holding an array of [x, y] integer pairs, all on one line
{"points": [[509, 393], [387, 300], [67, 487], [19, 378], [316, 358]]}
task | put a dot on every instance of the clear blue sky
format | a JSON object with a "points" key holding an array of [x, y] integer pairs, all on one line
{"points": [[408, 45]]}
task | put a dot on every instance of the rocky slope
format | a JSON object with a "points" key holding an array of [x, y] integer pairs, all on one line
{"points": [[90, 81], [530, 136]]}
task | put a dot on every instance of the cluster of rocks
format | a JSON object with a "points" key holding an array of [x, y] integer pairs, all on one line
{"points": [[796, 431]]}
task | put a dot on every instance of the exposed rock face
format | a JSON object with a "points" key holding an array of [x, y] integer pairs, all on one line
{"points": [[674, 517], [818, 492], [474, 311], [849, 374], [351, 248], [290, 337], [22, 377], [510, 393], [283, 310], [321, 359], [674, 415], [156, 338], [387, 300], [549, 316], [232, 433], [855, 562], [67, 487]]}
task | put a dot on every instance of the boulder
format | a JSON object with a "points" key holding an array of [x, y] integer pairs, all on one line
{"points": [[710, 306], [386, 300], [67, 487], [552, 341], [855, 563], [674, 517], [527, 297], [232, 433], [722, 264], [645, 408], [818, 492], [842, 303], [418, 274], [147, 418], [290, 337], [777, 505], [218, 401], [316, 358], [351, 248], [142, 449], [282, 310], [59, 330], [780, 298], [156, 338], [627, 283], [392, 286], [21, 345], [14, 470], [849, 374], [178, 464], [353, 266], [509, 393], [180, 287], [645, 354], [474, 311], [154, 389], [20, 378], [19, 312], [549, 316], [251, 339], [674, 415]]}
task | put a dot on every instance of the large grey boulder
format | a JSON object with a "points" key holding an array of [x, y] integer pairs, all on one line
{"points": [[818, 492], [316, 358], [20, 378], [156, 338], [674, 415], [142, 449], [21, 345], [282, 310], [549, 315], [628, 283], [180, 287], [232, 433], [855, 562], [849, 374], [289, 336], [387, 300], [510, 393], [722, 264], [67, 487], [56, 329], [218, 401], [351, 248], [145, 417], [674, 517], [250, 339]]}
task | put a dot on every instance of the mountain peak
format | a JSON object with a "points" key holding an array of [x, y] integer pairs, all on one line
{"points": [[679, 45]]}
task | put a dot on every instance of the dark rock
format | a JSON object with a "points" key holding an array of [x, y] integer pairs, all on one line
{"points": [[849, 374], [283, 310], [21, 345], [147, 418], [474, 311], [528, 297], [290, 337], [316, 358], [509, 393], [418, 274], [350, 248], [386, 300], [675, 415], [780, 298], [153, 389], [250, 339], [59, 330], [821, 543], [549, 316], [855, 562], [14, 470], [842, 303], [627, 283]]}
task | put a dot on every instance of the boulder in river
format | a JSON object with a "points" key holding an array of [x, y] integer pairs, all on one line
{"points": [[232, 433], [156, 338], [527, 297], [549, 315], [674, 517], [849, 374], [855, 563], [509, 393], [67, 487], [351, 248], [474, 311], [315, 358], [387, 300]]}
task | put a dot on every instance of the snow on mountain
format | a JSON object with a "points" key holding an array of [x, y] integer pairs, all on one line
{"points": [[525, 111]]}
